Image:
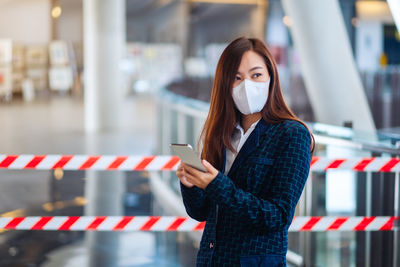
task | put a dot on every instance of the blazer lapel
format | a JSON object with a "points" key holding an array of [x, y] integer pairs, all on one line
{"points": [[249, 146], [224, 162]]}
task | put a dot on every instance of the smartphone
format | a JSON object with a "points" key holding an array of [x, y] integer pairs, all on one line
{"points": [[188, 156]]}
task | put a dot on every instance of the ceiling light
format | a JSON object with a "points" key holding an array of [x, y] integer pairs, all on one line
{"points": [[56, 12]]}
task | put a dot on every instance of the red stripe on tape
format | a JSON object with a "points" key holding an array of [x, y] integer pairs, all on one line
{"points": [[389, 224], [313, 160], [150, 222], [364, 223], [363, 164], [89, 162], [337, 223], [7, 161], [41, 223], [96, 223], [335, 164], [200, 226], [34, 162], [389, 165], [116, 163], [310, 224], [171, 163], [174, 226], [123, 223], [68, 223], [62, 162], [143, 164], [14, 223]]}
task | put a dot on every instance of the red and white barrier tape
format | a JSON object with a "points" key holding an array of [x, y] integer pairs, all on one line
{"points": [[373, 164], [167, 163], [85, 162], [168, 223]]}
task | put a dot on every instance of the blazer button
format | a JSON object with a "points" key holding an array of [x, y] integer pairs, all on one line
{"points": [[211, 245]]}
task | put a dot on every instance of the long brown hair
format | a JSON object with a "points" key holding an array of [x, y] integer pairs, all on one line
{"points": [[223, 115]]}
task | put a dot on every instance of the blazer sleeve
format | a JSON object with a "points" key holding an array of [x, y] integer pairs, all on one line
{"points": [[196, 202], [275, 209]]}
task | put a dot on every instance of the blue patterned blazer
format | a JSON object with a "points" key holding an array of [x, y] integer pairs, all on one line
{"points": [[249, 210]]}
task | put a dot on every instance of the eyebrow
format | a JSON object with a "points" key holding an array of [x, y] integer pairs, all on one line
{"points": [[254, 68]]}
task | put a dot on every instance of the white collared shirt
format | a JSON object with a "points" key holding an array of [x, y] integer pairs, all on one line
{"points": [[238, 139]]}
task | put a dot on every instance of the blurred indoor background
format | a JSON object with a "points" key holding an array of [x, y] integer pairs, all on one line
{"points": [[129, 77]]}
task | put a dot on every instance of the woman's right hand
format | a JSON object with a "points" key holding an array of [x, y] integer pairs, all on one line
{"points": [[181, 175]]}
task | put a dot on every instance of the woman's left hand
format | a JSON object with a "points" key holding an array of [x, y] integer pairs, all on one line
{"points": [[199, 178]]}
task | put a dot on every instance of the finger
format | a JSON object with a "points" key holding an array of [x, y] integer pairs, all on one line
{"points": [[185, 166], [185, 182], [195, 183], [191, 178], [180, 166], [179, 174], [210, 168], [185, 173], [179, 171], [194, 171], [182, 177]]}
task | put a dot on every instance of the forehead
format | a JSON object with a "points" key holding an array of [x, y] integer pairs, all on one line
{"points": [[249, 60]]}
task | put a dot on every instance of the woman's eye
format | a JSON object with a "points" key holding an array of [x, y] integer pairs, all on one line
{"points": [[257, 75], [237, 78]]}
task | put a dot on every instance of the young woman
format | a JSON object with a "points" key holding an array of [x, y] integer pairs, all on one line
{"points": [[257, 154]]}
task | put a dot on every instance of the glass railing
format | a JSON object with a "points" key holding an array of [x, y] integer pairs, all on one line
{"points": [[327, 193], [179, 114]]}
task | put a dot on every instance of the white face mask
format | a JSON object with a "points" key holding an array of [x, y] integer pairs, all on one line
{"points": [[250, 97]]}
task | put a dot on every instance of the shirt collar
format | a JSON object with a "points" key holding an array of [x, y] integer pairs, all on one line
{"points": [[250, 128]]}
